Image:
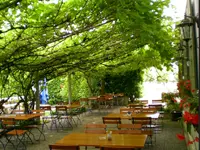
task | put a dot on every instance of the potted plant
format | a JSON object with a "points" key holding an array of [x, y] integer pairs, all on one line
{"points": [[173, 105], [175, 111], [189, 103]]}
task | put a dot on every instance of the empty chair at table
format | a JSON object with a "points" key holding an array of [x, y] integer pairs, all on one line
{"points": [[149, 110], [48, 117], [159, 121], [31, 127], [147, 126], [63, 117], [14, 133], [112, 120], [63, 147], [126, 110], [95, 128], [144, 102], [157, 101], [157, 106], [86, 104], [101, 102], [137, 107], [126, 131], [130, 126]]}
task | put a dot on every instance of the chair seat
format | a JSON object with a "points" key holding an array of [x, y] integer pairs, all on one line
{"points": [[16, 132]]}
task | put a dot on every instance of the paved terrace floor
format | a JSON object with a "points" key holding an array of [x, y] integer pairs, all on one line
{"points": [[165, 140]]}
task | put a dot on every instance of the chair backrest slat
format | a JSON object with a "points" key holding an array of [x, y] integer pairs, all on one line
{"points": [[126, 110], [111, 120], [141, 120], [95, 128], [46, 108], [130, 126]]}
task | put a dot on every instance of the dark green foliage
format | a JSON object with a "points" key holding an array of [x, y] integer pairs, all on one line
{"points": [[128, 83]]}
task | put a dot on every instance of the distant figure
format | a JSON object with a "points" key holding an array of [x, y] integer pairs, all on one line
{"points": [[44, 97]]}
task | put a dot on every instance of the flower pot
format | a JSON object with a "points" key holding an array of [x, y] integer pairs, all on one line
{"points": [[176, 115]]}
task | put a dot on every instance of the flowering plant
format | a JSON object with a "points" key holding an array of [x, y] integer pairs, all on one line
{"points": [[189, 103], [169, 96], [189, 97]]}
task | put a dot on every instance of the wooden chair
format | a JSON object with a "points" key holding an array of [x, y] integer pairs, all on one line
{"points": [[15, 132], [159, 121], [147, 126], [156, 106], [157, 101], [140, 106], [126, 110], [2, 135], [86, 104], [111, 120], [149, 110], [64, 147], [95, 128], [145, 102], [36, 126], [62, 115], [130, 126], [126, 131], [108, 100], [101, 103], [49, 118]]}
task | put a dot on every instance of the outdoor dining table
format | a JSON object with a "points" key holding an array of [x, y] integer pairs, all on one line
{"points": [[20, 117], [118, 140], [135, 115]]}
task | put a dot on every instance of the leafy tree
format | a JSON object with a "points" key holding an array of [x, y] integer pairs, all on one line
{"points": [[128, 83], [52, 38]]}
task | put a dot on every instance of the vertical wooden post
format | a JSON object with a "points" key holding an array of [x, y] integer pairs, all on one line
{"points": [[69, 88]]}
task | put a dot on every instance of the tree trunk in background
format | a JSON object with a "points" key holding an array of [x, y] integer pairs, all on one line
{"points": [[26, 109], [102, 90], [69, 88], [37, 95]]}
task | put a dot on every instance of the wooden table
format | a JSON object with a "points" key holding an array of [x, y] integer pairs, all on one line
{"points": [[135, 115], [20, 116], [118, 140]]}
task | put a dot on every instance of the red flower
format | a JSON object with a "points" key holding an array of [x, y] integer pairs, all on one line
{"points": [[189, 142], [188, 81], [174, 100], [180, 136], [191, 118], [187, 117], [196, 139], [194, 119], [193, 91]]}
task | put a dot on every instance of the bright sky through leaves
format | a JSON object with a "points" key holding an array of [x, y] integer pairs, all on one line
{"points": [[176, 10]]}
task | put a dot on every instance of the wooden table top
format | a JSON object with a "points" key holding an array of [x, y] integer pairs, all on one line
{"points": [[135, 115], [118, 140], [20, 116]]}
